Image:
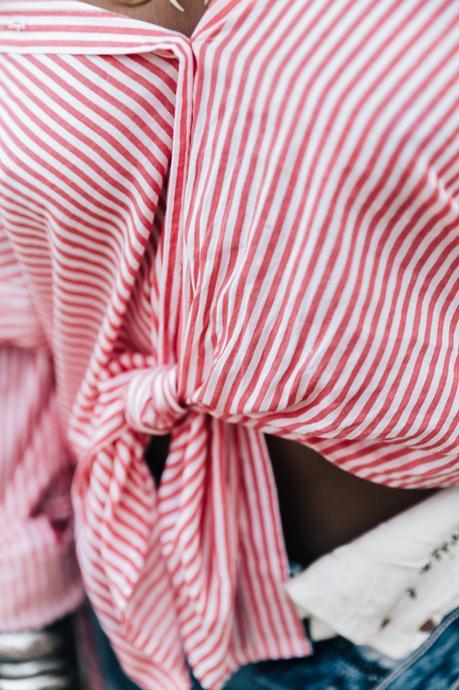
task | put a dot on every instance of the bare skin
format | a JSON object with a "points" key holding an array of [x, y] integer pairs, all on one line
{"points": [[321, 506], [161, 12]]}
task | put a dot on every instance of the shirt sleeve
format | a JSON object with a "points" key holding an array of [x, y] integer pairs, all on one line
{"points": [[19, 324], [37, 561]]}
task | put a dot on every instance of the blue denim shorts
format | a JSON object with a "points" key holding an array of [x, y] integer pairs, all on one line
{"points": [[337, 664]]}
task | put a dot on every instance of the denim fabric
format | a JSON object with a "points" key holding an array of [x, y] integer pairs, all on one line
{"points": [[338, 665], [435, 665]]}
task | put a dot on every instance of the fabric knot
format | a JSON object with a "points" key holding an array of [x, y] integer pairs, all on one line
{"points": [[152, 404]]}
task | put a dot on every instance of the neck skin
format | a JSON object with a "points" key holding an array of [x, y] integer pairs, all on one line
{"points": [[160, 12]]}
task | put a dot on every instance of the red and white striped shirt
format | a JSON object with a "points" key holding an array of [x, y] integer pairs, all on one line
{"points": [[252, 230]]}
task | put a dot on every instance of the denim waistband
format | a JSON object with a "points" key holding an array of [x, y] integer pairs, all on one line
{"points": [[337, 664], [434, 665]]}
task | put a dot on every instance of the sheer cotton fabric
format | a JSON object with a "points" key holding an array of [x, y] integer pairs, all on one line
{"points": [[252, 230]]}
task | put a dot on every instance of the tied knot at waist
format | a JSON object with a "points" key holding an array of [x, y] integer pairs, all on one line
{"points": [[163, 574], [151, 402], [137, 393], [133, 395]]}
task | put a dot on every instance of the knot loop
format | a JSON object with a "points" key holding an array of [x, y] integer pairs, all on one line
{"points": [[151, 400]]}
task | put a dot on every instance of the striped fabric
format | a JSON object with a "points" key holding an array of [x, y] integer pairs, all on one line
{"points": [[39, 579], [253, 230]]}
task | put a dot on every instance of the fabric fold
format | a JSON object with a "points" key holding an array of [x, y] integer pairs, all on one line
{"points": [[252, 230]]}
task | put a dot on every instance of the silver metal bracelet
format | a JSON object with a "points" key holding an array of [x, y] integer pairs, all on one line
{"points": [[39, 659]]}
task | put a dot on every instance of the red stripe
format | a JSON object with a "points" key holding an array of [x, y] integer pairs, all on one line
{"points": [[268, 208]]}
